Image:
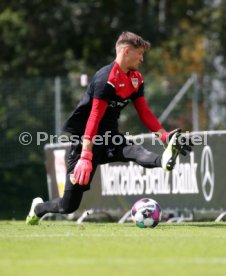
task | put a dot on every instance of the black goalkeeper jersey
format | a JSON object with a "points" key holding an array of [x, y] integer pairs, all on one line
{"points": [[110, 84]]}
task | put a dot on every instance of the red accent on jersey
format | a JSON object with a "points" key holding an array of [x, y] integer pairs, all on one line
{"points": [[98, 109], [146, 116], [124, 84]]}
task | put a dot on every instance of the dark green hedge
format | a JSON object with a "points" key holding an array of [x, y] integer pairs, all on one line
{"points": [[18, 186]]}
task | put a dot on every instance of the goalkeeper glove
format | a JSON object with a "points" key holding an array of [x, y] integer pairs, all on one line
{"points": [[83, 168]]}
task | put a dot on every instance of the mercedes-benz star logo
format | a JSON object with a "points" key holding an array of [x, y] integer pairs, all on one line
{"points": [[207, 173]]}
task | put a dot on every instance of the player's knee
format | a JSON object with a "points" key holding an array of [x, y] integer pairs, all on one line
{"points": [[142, 154], [70, 201]]}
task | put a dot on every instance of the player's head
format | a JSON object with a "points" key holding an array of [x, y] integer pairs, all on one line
{"points": [[130, 47]]}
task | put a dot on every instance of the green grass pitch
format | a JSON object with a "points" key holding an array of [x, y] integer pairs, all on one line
{"points": [[65, 248]]}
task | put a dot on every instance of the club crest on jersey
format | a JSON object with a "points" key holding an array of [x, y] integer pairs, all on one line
{"points": [[135, 82]]}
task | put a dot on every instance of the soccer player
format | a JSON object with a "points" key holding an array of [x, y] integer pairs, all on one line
{"points": [[110, 90]]}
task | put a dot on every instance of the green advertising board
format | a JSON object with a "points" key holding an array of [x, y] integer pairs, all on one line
{"points": [[197, 182]]}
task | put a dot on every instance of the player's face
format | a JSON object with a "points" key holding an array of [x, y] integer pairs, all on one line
{"points": [[134, 58]]}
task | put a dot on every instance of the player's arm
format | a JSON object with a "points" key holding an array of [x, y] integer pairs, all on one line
{"points": [[152, 123], [83, 167], [103, 93], [147, 117], [99, 107], [145, 114], [101, 97]]}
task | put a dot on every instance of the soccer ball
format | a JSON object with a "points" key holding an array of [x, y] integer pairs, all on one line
{"points": [[146, 212]]}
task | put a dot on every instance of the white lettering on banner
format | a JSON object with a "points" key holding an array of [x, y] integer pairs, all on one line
{"points": [[184, 177], [136, 180], [122, 180], [157, 182]]}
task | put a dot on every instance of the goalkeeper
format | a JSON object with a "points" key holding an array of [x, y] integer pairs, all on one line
{"points": [[110, 90]]}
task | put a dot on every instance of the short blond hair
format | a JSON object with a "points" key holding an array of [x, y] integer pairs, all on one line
{"points": [[131, 39]]}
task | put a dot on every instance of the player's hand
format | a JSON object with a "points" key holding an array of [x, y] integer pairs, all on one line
{"points": [[83, 168], [166, 136]]}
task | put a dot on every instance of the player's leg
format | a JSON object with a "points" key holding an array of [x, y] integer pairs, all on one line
{"points": [[141, 156], [67, 204], [128, 151], [148, 159], [73, 193]]}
